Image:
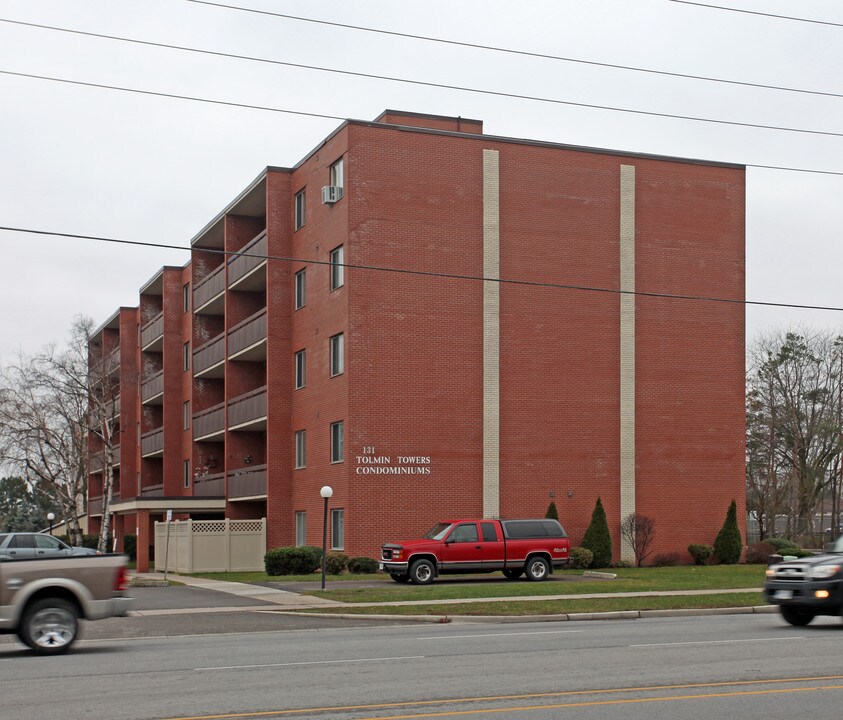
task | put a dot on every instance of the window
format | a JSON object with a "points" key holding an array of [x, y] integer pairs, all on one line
{"points": [[187, 473], [187, 414], [185, 294], [139, 485], [300, 276], [300, 209], [336, 349], [186, 353], [337, 442], [337, 529], [464, 533], [301, 448], [337, 268], [47, 542], [301, 369], [490, 534], [301, 528], [336, 179]]}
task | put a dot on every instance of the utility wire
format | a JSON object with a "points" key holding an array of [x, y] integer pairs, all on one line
{"points": [[427, 273], [741, 10], [266, 108], [524, 53]]}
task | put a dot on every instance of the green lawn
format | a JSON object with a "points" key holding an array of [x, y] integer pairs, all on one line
{"points": [[262, 577]]}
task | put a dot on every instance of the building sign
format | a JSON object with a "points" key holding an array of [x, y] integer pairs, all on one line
{"points": [[369, 462]]}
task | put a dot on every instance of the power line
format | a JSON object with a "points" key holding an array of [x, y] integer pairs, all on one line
{"points": [[428, 273], [192, 98], [745, 12], [424, 83], [524, 53]]}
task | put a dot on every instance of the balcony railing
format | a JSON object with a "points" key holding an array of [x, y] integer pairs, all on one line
{"points": [[97, 460], [247, 482], [153, 490], [152, 387], [210, 354], [252, 256], [247, 334], [95, 505], [153, 330], [209, 422], [209, 485], [209, 287], [152, 443], [249, 408]]}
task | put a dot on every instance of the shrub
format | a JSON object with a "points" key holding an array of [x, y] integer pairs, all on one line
{"points": [[290, 561], [552, 512], [316, 552], [130, 546], [759, 553], [668, 559], [728, 544], [701, 553], [335, 563], [580, 558], [783, 546], [621, 564], [358, 565], [597, 538]]}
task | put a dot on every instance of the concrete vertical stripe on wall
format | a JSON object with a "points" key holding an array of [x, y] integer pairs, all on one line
{"points": [[491, 334], [627, 349]]}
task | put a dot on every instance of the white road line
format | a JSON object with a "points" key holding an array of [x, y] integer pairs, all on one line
{"points": [[312, 662], [721, 642], [540, 632]]}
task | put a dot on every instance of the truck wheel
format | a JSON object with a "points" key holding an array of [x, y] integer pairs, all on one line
{"points": [[796, 615], [400, 578], [537, 568], [49, 626], [422, 572], [513, 574]]}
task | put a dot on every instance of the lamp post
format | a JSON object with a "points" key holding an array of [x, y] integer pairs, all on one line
{"points": [[51, 517], [326, 493]]}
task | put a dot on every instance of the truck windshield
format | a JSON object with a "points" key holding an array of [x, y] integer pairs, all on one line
{"points": [[438, 531]]}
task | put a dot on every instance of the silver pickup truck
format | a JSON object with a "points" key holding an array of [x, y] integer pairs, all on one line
{"points": [[42, 600]]}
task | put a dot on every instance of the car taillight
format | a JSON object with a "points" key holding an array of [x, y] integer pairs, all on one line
{"points": [[121, 581]]}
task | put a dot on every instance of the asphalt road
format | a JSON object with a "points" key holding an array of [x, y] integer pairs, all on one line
{"points": [[737, 666]]}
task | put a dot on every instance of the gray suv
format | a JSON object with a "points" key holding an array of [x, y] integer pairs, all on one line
{"points": [[27, 545]]}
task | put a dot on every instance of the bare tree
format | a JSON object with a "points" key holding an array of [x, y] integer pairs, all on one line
{"points": [[638, 531]]}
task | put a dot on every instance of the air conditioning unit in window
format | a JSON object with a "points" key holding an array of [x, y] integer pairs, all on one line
{"points": [[331, 194]]}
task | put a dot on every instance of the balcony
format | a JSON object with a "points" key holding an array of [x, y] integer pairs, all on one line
{"points": [[248, 411], [247, 483], [95, 505], [152, 444], [247, 340], [246, 269], [209, 485], [152, 334], [209, 424], [209, 359], [152, 389], [96, 462], [208, 295], [153, 490]]}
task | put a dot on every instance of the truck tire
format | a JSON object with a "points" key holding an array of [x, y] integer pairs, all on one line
{"points": [[422, 572], [537, 568], [513, 574], [796, 615], [400, 578], [49, 626]]}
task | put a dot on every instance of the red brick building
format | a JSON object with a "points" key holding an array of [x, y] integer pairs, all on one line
{"points": [[437, 322]]}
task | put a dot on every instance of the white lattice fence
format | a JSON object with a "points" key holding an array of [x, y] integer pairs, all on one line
{"points": [[211, 545]]}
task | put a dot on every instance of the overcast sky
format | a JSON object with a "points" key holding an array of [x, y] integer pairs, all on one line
{"points": [[99, 162]]}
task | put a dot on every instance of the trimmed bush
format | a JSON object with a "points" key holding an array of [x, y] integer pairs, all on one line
{"points": [[783, 546], [728, 544], [597, 538], [551, 511], [668, 559], [335, 563], [580, 558], [759, 553], [291, 561], [360, 565], [130, 546], [701, 553], [621, 564]]}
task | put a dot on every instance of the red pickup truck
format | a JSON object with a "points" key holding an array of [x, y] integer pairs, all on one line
{"points": [[516, 547]]}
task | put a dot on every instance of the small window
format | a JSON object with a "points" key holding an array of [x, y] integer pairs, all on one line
{"points": [[467, 532], [187, 473], [186, 297], [490, 534], [187, 414], [300, 278], [337, 442], [186, 353], [337, 529], [336, 179], [337, 268], [301, 528], [301, 369], [301, 449], [47, 542], [300, 209], [139, 485], [337, 350]]}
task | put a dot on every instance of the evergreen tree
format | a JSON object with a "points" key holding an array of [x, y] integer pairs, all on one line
{"points": [[597, 538], [551, 512], [728, 544]]}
